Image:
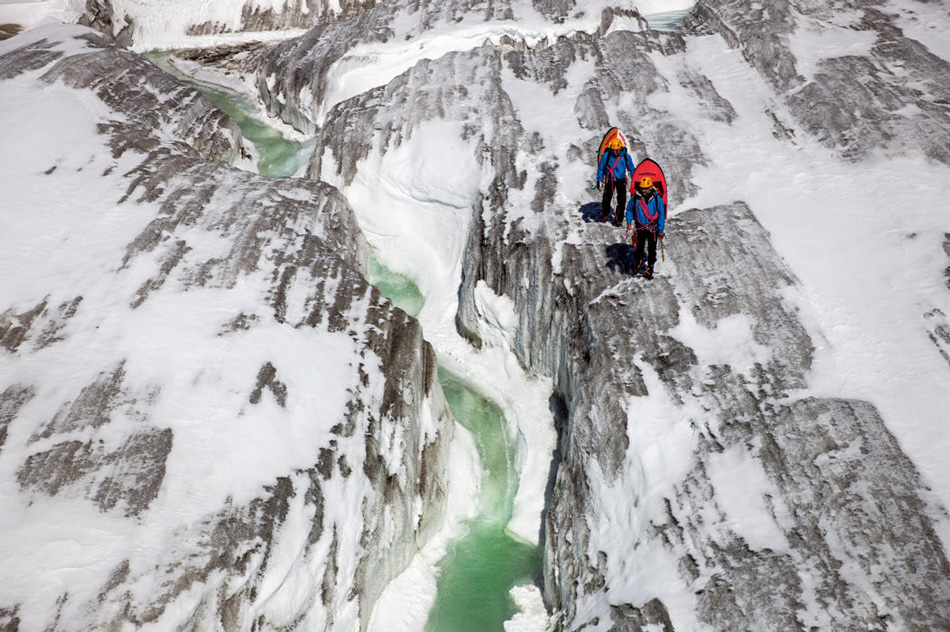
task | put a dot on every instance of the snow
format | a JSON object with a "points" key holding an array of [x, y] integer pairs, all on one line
{"points": [[416, 217], [371, 65], [867, 277], [925, 22], [532, 615], [866, 282], [36, 12], [651, 7], [62, 232], [865, 286], [166, 24], [812, 43], [730, 343], [868, 273], [406, 602], [742, 489]]}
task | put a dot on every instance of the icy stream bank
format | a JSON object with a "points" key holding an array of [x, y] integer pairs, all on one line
{"points": [[216, 422], [272, 153], [482, 566]]}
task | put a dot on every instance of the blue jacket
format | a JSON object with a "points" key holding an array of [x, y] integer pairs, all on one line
{"points": [[656, 211], [618, 166]]}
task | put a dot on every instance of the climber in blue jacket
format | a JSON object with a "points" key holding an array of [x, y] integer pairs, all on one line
{"points": [[646, 215], [612, 176]]}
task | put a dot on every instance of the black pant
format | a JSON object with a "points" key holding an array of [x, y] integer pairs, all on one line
{"points": [[620, 186], [646, 238]]}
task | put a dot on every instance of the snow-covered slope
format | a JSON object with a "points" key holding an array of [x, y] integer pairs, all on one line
{"points": [[754, 440], [194, 372]]}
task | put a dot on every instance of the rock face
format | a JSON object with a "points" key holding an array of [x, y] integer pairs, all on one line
{"points": [[694, 486], [214, 384], [850, 538]]}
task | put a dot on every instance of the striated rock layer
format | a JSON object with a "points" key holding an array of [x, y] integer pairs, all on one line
{"points": [[204, 403]]}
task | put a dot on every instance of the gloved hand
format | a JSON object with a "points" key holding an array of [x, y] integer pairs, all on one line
{"points": [[661, 235], [600, 186]]}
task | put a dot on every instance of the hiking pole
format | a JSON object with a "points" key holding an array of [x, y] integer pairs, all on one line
{"points": [[662, 251]]}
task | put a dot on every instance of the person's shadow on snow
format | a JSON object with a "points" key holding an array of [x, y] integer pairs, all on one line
{"points": [[591, 212], [620, 257]]}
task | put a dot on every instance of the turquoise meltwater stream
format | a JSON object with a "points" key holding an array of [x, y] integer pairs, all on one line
{"points": [[278, 156], [480, 568], [668, 20]]}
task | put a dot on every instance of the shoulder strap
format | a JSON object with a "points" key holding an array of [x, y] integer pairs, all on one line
{"points": [[645, 209]]}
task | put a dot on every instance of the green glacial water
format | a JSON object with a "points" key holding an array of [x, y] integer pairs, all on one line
{"points": [[396, 287], [668, 20], [278, 156], [481, 567]]}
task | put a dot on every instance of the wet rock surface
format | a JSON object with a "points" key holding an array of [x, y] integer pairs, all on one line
{"points": [[291, 254]]}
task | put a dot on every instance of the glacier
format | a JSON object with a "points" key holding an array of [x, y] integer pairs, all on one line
{"points": [[242, 433]]}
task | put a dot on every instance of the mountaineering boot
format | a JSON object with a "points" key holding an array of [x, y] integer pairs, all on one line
{"points": [[648, 273]]}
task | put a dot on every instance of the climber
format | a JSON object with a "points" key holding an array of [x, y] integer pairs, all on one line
{"points": [[646, 215], [612, 176]]}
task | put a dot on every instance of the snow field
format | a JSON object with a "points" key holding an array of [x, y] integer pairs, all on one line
{"points": [[866, 245], [869, 271], [865, 241]]}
